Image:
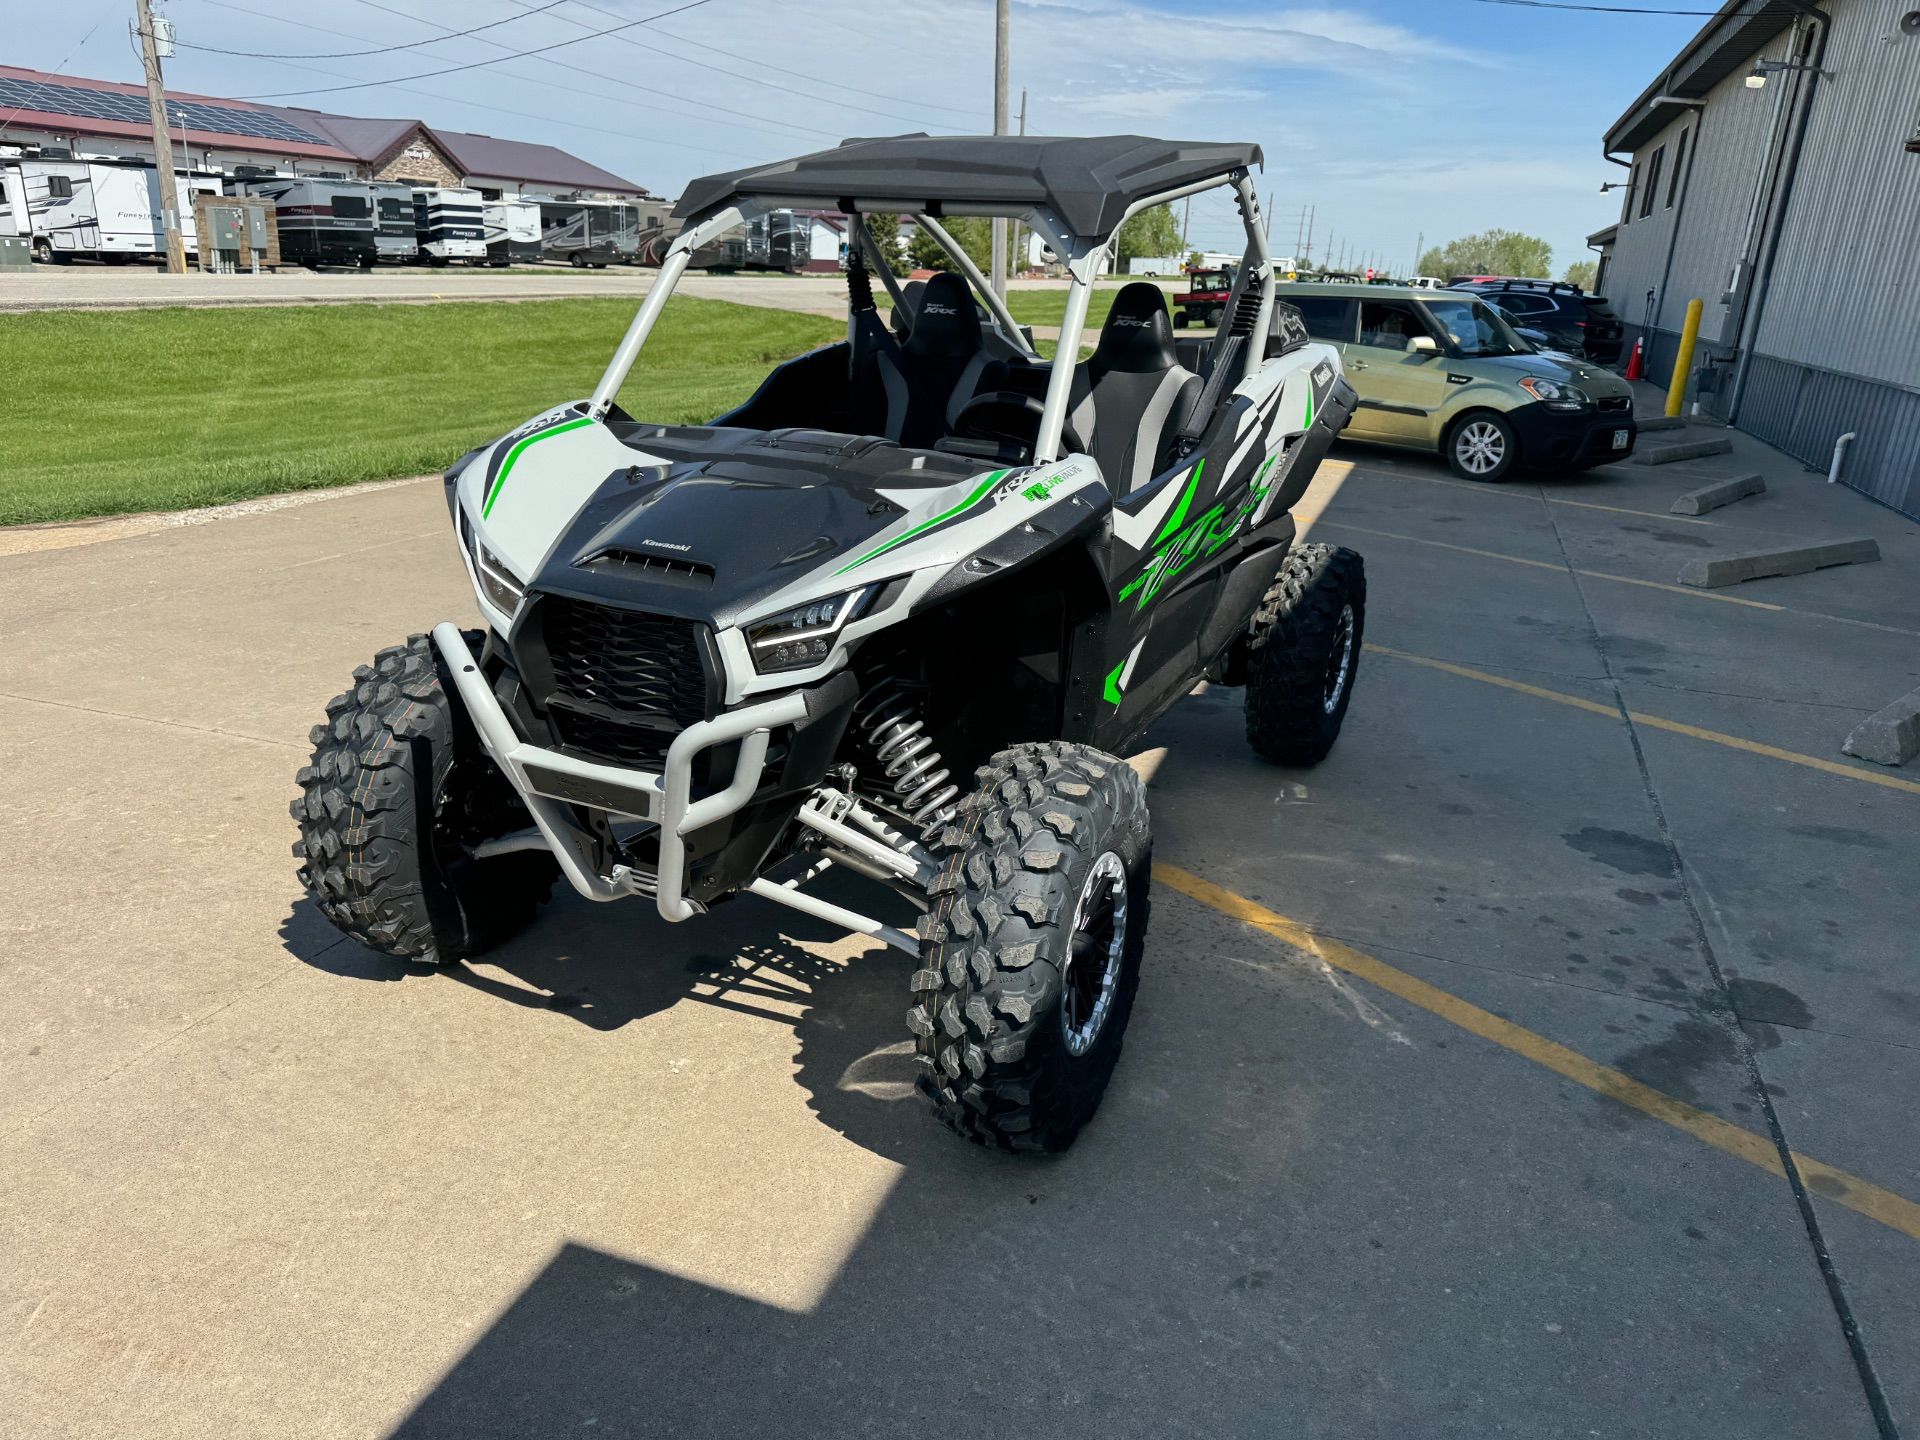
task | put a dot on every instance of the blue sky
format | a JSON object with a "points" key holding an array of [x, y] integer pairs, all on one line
{"points": [[1392, 118]]}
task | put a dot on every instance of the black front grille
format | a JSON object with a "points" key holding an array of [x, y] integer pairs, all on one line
{"points": [[1613, 404], [624, 683], [637, 747]]}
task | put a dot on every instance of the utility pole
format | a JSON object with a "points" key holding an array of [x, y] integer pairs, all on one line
{"points": [[1307, 254], [1186, 227], [1419, 252], [169, 189], [1018, 249], [1000, 42]]}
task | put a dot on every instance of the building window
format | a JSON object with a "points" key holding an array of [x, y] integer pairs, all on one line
{"points": [[1653, 182], [1633, 188], [1679, 164]]}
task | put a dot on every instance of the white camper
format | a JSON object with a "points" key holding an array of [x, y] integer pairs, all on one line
{"points": [[95, 209], [448, 225], [510, 229]]}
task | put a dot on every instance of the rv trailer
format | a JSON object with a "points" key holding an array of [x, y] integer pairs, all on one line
{"points": [[579, 232], [510, 229], [393, 232], [449, 225], [322, 221], [653, 231], [107, 210], [778, 240]]}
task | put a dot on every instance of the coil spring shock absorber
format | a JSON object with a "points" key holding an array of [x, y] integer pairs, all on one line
{"points": [[897, 736]]}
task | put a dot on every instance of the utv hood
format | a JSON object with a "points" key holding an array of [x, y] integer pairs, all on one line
{"points": [[707, 523]]}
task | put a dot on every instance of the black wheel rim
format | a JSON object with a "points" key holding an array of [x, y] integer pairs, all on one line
{"points": [[1339, 662], [1095, 951]]}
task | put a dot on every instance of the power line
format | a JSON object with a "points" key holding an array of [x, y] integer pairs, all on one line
{"points": [[785, 70], [382, 50], [72, 51], [1595, 9], [739, 118], [754, 80], [629, 135], [482, 64]]}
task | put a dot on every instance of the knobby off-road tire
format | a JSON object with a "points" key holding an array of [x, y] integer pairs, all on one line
{"points": [[398, 789], [1303, 651], [1014, 961]]}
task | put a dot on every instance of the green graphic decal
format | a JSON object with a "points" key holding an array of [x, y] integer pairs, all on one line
{"points": [[1186, 498], [1113, 692], [1041, 489], [1200, 540], [513, 455], [975, 498]]}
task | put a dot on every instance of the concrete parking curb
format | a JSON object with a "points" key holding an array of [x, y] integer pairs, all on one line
{"points": [[1890, 736], [1649, 423], [1721, 492], [1674, 450], [1761, 564]]}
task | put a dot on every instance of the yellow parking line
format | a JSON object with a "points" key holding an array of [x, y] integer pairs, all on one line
{"points": [[1691, 594], [1657, 722], [1890, 1209]]}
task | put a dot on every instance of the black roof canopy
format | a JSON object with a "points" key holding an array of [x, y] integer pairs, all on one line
{"points": [[1089, 182]]}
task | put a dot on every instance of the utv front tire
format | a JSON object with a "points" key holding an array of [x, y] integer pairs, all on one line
{"points": [[398, 792], [1030, 955], [1303, 651]]}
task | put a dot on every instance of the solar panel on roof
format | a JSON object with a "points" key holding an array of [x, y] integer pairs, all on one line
{"points": [[112, 105]]}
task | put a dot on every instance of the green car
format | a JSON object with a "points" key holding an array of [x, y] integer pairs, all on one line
{"points": [[1441, 371]]}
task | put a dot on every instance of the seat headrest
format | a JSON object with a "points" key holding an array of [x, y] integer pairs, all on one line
{"points": [[1138, 335], [945, 322], [904, 312]]}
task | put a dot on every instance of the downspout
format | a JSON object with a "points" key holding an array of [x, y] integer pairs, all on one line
{"points": [[1757, 302]]}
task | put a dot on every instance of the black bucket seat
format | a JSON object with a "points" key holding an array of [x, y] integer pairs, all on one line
{"points": [[929, 379], [1132, 398]]}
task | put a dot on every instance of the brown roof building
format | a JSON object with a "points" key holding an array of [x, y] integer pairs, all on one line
{"points": [[103, 118]]}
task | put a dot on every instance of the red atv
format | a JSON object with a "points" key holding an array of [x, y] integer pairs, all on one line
{"points": [[1205, 299]]}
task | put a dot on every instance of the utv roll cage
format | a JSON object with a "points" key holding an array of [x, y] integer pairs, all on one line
{"points": [[1074, 193]]}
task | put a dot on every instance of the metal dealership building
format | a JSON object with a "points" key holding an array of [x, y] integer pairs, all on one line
{"points": [[1773, 172], [46, 114]]}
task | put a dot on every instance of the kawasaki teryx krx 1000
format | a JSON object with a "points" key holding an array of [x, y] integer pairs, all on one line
{"points": [[897, 614]]}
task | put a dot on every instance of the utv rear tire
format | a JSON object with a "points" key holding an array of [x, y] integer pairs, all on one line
{"points": [[399, 788], [1303, 651], [1030, 955]]}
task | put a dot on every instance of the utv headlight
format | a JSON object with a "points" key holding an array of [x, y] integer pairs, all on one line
{"points": [[802, 637], [1555, 394], [503, 592]]}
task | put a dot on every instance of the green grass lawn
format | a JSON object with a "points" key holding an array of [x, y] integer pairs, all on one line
{"points": [[107, 412], [1049, 307]]}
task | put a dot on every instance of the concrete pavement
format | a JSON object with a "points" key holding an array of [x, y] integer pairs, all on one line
{"points": [[660, 1180]]}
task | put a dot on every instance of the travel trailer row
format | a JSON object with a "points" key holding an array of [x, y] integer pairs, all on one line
{"points": [[110, 210]]}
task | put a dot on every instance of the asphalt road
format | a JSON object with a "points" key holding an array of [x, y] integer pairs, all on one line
{"points": [[1449, 1107]]}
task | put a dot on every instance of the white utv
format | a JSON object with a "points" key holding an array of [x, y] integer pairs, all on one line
{"points": [[899, 614]]}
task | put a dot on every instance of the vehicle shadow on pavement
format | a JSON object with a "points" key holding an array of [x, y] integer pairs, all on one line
{"points": [[607, 965]]}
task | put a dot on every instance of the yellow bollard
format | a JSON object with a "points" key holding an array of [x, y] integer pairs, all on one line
{"points": [[1683, 362]]}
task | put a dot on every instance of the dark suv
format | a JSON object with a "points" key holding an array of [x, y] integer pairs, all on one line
{"points": [[1578, 323]]}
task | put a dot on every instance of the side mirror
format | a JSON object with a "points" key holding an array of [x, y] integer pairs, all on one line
{"points": [[1423, 345]]}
